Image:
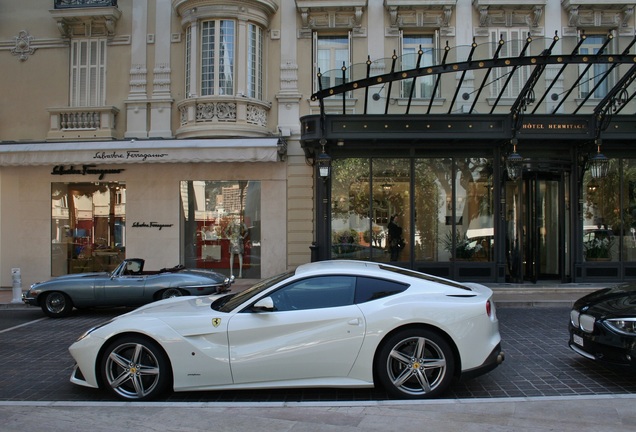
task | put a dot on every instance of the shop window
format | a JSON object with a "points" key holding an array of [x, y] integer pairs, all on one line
{"points": [[628, 197], [454, 212], [88, 227], [603, 223], [421, 87], [449, 217], [221, 226]]}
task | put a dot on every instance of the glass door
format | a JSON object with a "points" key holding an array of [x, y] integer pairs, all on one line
{"points": [[537, 227]]}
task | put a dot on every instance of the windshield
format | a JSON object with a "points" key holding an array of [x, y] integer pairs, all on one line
{"points": [[229, 303]]}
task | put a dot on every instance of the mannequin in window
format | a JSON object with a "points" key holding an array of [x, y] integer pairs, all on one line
{"points": [[236, 232]]}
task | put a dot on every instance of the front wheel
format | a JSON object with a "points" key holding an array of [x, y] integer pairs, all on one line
{"points": [[170, 293], [56, 305], [415, 363], [135, 368]]}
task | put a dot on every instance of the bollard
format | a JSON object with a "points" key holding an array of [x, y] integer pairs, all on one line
{"points": [[17, 285]]}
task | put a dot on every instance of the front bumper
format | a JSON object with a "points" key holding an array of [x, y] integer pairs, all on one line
{"points": [[606, 348], [27, 299]]}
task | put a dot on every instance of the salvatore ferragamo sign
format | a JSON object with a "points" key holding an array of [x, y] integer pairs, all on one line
{"points": [[85, 170]]}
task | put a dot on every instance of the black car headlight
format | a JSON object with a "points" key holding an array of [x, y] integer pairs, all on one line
{"points": [[625, 326]]}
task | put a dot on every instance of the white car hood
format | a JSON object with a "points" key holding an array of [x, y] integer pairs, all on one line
{"points": [[176, 305]]}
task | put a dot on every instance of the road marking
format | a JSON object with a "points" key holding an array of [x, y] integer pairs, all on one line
{"points": [[22, 325]]}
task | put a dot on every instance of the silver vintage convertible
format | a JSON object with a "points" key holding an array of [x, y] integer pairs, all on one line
{"points": [[128, 285]]}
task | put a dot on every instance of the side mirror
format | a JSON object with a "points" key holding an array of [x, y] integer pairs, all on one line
{"points": [[264, 305]]}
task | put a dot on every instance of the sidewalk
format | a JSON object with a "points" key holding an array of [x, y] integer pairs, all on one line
{"points": [[609, 413], [542, 294]]}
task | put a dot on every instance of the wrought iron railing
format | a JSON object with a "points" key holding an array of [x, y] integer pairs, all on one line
{"points": [[67, 4]]}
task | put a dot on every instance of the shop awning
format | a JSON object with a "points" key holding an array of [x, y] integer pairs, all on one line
{"points": [[144, 151]]}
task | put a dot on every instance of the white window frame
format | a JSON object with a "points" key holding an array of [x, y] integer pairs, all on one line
{"points": [[218, 57], [409, 61], [188, 61], [255, 61], [88, 72], [333, 61], [591, 45], [514, 39]]}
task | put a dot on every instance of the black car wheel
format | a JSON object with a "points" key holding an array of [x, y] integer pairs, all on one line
{"points": [[135, 368], [415, 363], [56, 304], [169, 293]]}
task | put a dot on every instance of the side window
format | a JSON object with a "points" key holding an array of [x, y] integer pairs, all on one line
{"points": [[316, 293], [369, 289]]}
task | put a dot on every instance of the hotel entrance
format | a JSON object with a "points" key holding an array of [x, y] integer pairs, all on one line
{"points": [[537, 226]]}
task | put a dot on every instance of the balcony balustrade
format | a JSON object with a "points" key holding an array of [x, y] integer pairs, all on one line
{"points": [[67, 4], [83, 123], [212, 116]]}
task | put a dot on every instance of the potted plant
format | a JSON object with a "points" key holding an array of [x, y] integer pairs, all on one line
{"points": [[464, 249], [599, 248]]}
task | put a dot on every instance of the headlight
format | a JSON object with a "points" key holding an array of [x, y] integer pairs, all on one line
{"points": [[625, 326], [574, 318], [92, 329]]}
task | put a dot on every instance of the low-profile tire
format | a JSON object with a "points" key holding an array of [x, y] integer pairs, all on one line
{"points": [[170, 293], [415, 364], [56, 304], [135, 368]]}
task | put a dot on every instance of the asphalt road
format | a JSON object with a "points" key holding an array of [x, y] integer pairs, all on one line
{"points": [[36, 365]]}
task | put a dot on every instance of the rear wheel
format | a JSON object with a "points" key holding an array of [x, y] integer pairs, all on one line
{"points": [[135, 368], [415, 363], [56, 304]]}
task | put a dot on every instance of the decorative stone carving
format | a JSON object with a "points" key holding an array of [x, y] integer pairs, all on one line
{"points": [[256, 115], [417, 14], [23, 48], [614, 15], [509, 16], [317, 15]]}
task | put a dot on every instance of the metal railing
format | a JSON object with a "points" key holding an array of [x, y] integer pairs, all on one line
{"points": [[67, 4]]}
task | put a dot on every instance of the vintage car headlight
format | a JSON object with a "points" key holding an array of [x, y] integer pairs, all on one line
{"points": [[625, 326]]}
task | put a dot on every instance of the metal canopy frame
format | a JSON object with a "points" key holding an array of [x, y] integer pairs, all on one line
{"points": [[545, 57]]}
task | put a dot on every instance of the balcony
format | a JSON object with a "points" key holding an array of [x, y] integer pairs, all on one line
{"points": [[67, 4], [222, 116], [82, 123], [86, 17]]}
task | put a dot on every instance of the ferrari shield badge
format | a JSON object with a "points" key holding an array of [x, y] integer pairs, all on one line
{"points": [[216, 322]]}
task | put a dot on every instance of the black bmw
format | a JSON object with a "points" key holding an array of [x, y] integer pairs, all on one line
{"points": [[603, 325]]}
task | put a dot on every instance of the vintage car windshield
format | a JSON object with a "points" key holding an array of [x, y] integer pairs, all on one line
{"points": [[118, 270], [228, 303]]}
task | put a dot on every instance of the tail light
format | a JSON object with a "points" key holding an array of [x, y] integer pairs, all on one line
{"points": [[489, 308]]}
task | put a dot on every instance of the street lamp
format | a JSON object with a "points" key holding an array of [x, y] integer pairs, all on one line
{"points": [[514, 162], [599, 163], [324, 166]]}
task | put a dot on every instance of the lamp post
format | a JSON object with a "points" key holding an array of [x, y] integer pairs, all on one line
{"points": [[323, 161], [514, 162], [599, 163]]}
